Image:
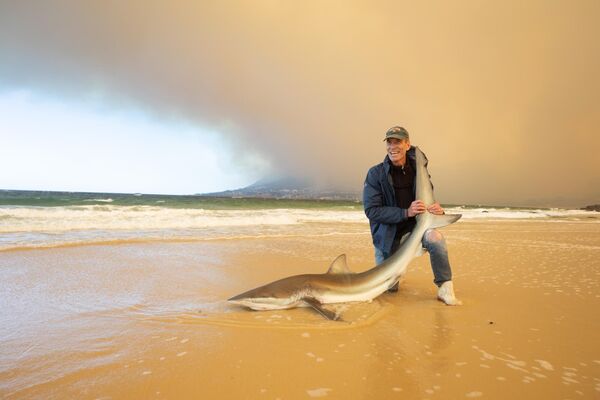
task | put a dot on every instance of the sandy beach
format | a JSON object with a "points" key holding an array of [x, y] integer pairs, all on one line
{"points": [[150, 320]]}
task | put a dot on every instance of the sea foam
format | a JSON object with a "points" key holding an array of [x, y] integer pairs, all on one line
{"points": [[28, 226]]}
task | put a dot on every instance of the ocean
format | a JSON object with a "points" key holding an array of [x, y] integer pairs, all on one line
{"points": [[30, 219]]}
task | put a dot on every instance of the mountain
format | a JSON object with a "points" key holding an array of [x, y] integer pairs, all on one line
{"points": [[287, 188]]}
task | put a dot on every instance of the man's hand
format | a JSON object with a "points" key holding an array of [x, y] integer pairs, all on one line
{"points": [[416, 207], [436, 209]]}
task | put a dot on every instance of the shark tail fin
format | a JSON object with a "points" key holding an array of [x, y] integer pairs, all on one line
{"points": [[443, 220]]}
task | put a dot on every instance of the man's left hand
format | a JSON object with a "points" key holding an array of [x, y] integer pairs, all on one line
{"points": [[436, 209]]}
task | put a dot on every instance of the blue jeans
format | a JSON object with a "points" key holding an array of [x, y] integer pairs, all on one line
{"points": [[435, 244]]}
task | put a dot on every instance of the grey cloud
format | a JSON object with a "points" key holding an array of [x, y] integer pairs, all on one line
{"points": [[504, 98]]}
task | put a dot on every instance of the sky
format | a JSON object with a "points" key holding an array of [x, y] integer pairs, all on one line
{"points": [[191, 97]]}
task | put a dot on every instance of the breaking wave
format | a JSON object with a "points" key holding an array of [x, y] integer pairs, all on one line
{"points": [[27, 226]]}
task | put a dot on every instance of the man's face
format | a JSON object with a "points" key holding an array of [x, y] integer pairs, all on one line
{"points": [[396, 149]]}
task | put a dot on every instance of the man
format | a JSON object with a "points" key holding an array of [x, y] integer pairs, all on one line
{"points": [[390, 205]]}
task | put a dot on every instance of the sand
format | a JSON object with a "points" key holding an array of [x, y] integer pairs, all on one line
{"points": [[149, 320]]}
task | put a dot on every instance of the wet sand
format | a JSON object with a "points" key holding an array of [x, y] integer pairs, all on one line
{"points": [[145, 321]]}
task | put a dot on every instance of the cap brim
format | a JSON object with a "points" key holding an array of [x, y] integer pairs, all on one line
{"points": [[395, 136]]}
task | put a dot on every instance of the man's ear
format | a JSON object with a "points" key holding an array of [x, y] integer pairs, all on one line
{"points": [[408, 143]]}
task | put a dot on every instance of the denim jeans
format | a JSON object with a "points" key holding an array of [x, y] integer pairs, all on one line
{"points": [[438, 255]]}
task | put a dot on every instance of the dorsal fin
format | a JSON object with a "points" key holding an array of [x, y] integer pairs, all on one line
{"points": [[339, 266]]}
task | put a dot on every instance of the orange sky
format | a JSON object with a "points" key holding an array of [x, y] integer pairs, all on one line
{"points": [[503, 97]]}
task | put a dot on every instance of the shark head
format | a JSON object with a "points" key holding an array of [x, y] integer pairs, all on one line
{"points": [[281, 294]]}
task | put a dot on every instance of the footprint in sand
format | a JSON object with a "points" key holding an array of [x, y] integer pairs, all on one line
{"points": [[545, 364]]}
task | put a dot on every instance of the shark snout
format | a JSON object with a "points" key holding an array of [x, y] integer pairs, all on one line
{"points": [[235, 298]]}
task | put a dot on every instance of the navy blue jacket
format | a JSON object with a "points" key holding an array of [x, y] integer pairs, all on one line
{"points": [[379, 201]]}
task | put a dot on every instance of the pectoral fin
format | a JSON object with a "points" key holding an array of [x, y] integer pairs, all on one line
{"points": [[443, 220], [322, 309]]}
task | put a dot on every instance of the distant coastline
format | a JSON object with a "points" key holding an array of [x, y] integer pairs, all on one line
{"points": [[594, 207]]}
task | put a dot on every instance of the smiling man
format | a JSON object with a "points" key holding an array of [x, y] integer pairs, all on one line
{"points": [[390, 205]]}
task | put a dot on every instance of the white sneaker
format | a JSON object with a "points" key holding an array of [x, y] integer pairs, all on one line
{"points": [[446, 294]]}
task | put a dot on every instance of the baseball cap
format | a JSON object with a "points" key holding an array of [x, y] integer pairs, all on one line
{"points": [[397, 132]]}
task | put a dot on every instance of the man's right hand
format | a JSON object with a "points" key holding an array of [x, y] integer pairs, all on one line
{"points": [[416, 207]]}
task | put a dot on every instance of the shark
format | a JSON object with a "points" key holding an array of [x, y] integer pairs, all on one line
{"points": [[339, 284]]}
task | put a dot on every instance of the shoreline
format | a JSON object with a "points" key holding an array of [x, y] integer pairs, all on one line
{"points": [[299, 229]]}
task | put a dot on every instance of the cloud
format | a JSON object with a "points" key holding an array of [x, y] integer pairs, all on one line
{"points": [[503, 98]]}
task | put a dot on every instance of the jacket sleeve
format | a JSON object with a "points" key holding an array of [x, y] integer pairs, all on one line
{"points": [[373, 203]]}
